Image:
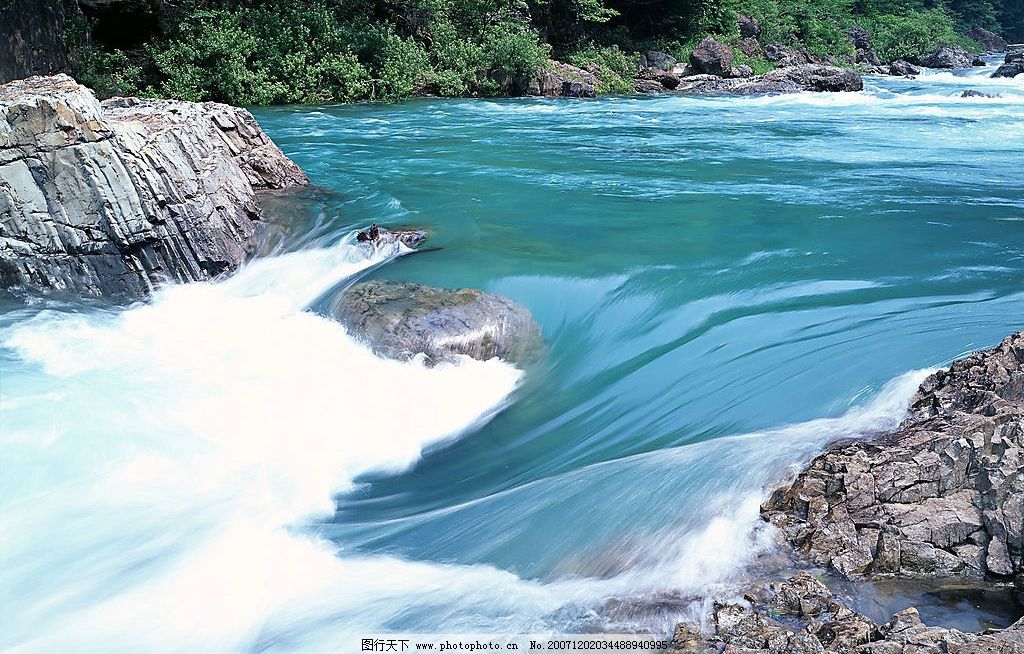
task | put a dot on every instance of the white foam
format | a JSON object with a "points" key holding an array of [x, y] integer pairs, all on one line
{"points": [[203, 426]]}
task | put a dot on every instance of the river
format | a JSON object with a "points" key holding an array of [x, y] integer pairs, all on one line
{"points": [[723, 286]]}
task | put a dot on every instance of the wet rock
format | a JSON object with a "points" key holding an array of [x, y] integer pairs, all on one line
{"points": [[556, 79], [948, 56], [400, 320], [816, 77], [903, 68], [749, 27], [667, 80], [942, 496], [654, 59], [1011, 69], [802, 616], [712, 58], [648, 86], [379, 237], [988, 40], [978, 61], [110, 199], [808, 77], [971, 93]]}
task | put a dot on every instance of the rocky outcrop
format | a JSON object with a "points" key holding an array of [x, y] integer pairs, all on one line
{"points": [[712, 58], [111, 199], [562, 80], [903, 68], [941, 496], [31, 38], [808, 77], [400, 320], [1013, 62], [988, 40], [948, 56], [802, 616], [860, 39], [784, 55]]}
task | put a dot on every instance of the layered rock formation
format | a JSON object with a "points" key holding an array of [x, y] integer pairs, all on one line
{"points": [[399, 320], [801, 616], [110, 199], [941, 496]]}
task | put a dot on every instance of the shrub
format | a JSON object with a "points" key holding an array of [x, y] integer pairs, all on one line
{"points": [[913, 36]]}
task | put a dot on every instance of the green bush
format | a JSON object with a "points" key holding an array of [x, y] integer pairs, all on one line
{"points": [[913, 36]]}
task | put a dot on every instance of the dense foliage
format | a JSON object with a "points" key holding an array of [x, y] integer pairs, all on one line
{"points": [[279, 51]]}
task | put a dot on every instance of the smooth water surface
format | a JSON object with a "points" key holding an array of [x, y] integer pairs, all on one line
{"points": [[723, 284]]}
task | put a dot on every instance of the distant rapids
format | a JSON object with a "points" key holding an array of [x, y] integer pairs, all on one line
{"points": [[724, 285]]}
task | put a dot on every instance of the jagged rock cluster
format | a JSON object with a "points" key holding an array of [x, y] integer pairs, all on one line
{"points": [[109, 199], [801, 616], [1013, 62], [941, 496]]}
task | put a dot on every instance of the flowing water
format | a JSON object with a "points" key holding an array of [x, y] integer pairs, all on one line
{"points": [[723, 284]]}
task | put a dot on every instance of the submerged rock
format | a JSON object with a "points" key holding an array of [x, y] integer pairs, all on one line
{"points": [[378, 237], [109, 199], [941, 496], [802, 616], [971, 93], [400, 320]]}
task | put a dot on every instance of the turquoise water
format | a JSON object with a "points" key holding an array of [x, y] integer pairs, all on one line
{"points": [[723, 285]]}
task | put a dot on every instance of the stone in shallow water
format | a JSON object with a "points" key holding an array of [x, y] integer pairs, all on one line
{"points": [[400, 320]]}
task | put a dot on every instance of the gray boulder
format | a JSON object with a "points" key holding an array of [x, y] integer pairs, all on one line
{"points": [[556, 79], [750, 47], [749, 27], [971, 93], [655, 59], [784, 55], [988, 40], [903, 68], [1013, 62], [399, 320], [110, 199], [941, 496], [1009, 70], [948, 56], [712, 58]]}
